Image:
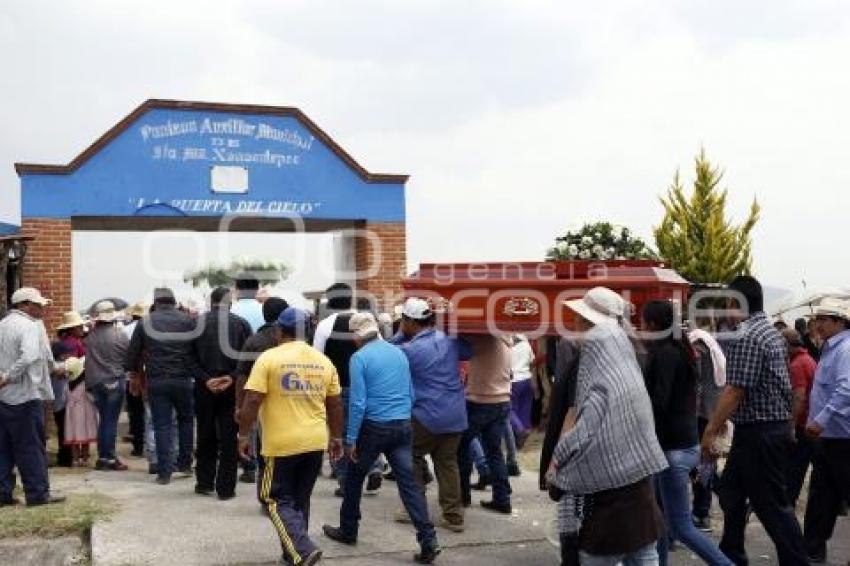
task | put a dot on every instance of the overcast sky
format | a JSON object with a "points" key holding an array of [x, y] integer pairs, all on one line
{"points": [[515, 119]]}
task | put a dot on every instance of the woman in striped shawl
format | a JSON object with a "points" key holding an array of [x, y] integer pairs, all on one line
{"points": [[605, 460]]}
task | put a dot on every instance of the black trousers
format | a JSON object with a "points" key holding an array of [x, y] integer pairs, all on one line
{"points": [[65, 455], [798, 465], [22, 445], [136, 415], [216, 452], [754, 477], [286, 488], [828, 487]]}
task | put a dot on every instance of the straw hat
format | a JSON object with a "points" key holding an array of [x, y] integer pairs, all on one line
{"points": [[600, 305], [139, 310], [71, 319]]}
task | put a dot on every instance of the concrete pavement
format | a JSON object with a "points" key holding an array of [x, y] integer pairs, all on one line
{"points": [[171, 525]]}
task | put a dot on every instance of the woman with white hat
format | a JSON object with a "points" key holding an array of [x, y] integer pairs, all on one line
{"points": [[605, 462]]}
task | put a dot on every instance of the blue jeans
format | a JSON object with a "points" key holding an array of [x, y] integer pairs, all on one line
{"points": [[168, 397], [395, 439], [646, 556], [510, 443], [108, 398], [150, 438], [486, 420], [672, 487], [342, 465], [478, 457]]}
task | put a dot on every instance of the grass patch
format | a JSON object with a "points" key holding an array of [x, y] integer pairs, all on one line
{"points": [[75, 516]]}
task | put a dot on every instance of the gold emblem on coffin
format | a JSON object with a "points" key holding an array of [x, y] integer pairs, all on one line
{"points": [[521, 306]]}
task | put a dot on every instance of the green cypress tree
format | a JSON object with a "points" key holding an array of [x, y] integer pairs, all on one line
{"points": [[695, 236]]}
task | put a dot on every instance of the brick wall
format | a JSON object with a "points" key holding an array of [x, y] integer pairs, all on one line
{"points": [[389, 262], [47, 265]]}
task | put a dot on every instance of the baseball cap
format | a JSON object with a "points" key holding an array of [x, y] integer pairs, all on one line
{"points": [[363, 324], [29, 295], [417, 309], [293, 317]]}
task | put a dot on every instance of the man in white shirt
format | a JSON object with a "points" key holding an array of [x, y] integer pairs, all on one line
{"points": [[24, 381]]}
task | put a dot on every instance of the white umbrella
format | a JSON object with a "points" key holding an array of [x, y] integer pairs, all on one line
{"points": [[808, 299]]}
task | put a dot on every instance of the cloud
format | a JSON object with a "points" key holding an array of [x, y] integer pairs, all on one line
{"points": [[515, 119]]}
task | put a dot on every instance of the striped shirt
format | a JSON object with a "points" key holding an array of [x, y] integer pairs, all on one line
{"points": [[24, 358]]}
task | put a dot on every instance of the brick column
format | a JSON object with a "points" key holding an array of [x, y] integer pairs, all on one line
{"points": [[47, 265], [388, 262]]}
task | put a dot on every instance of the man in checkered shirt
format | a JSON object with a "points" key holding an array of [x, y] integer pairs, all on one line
{"points": [[757, 398]]}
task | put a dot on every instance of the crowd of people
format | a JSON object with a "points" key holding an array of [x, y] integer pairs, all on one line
{"points": [[637, 421]]}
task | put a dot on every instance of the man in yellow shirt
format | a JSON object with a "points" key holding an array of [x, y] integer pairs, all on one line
{"points": [[295, 389]]}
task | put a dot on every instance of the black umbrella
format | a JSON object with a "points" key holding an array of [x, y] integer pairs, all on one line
{"points": [[120, 304]]}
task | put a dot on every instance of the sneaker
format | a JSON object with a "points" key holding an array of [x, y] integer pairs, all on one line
{"points": [[448, 525], [201, 490], [513, 470], [703, 524], [312, 558], [163, 481], [428, 554], [401, 516], [337, 534], [373, 484], [103, 465], [482, 483], [119, 466], [226, 496], [503, 508], [248, 476]]}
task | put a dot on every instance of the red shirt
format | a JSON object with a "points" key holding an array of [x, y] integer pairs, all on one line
{"points": [[802, 369]]}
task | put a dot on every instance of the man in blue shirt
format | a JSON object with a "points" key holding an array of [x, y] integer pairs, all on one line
{"points": [[380, 403], [829, 423], [247, 306], [439, 410]]}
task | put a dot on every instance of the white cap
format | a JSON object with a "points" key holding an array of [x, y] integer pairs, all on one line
{"points": [[599, 305], [363, 324], [417, 309], [29, 295]]}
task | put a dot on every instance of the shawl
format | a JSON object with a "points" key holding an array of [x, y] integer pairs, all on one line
{"points": [[613, 443], [718, 358]]}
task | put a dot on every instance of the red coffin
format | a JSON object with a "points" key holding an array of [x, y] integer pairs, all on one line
{"points": [[529, 297]]}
